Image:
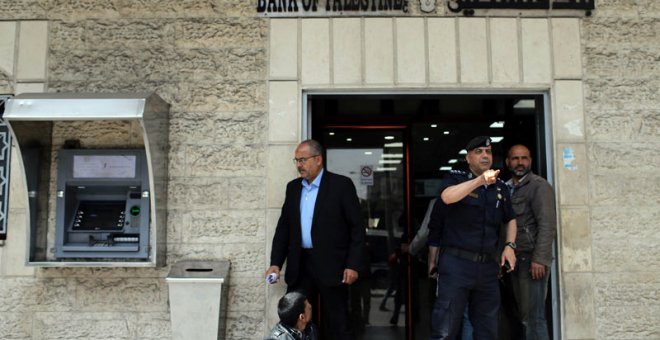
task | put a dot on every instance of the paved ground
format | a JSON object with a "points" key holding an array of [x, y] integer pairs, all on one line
{"points": [[379, 327]]}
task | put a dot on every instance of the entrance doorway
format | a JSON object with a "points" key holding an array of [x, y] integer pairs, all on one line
{"points": [[396, 148], [377, 160]]}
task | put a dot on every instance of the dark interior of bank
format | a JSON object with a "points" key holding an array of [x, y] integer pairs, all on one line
{"points": [[439, 125]]}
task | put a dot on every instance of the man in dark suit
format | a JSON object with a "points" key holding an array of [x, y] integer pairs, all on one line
{"points": [[321, 235]]}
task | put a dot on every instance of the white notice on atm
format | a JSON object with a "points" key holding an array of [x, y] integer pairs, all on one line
{"points": [[95, 166]]}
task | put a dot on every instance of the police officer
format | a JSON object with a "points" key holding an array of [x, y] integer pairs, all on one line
{"points": [[463, 245]]}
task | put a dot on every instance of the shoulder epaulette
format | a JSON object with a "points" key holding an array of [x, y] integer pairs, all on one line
{"points": [[458, 172]]}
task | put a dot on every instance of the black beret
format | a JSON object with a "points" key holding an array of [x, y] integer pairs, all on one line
{"points": [[478, 142]]}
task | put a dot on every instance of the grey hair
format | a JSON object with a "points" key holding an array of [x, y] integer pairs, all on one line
{"points": [[314, 146]]}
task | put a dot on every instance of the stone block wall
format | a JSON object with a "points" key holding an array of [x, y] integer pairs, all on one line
{"points": [[621, 55], [208, 60]]}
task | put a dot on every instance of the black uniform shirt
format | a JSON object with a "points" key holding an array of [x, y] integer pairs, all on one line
{"points": [[472, 223]]}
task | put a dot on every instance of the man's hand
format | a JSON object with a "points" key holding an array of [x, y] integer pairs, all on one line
{"points": [[274, 269], [537, 271], [433, 262], [350, 276], [490, 176], [508, 256], [433, 271]]}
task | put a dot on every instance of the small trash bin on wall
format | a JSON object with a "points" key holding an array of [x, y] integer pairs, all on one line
{"points": [[198, 299]]}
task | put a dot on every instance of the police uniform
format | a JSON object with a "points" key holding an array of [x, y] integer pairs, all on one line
{"points": [[467, 234]]}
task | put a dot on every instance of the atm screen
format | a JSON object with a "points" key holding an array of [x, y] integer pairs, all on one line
{"points": [[100, 215]]}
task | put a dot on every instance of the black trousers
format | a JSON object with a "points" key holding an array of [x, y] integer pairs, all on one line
{"points": [[333, 320]]}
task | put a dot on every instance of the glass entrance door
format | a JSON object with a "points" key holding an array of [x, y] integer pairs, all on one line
{"points": [[397, 170], [376, 160]]}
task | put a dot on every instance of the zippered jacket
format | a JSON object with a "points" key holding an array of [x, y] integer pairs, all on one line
{"points": [[284, 332], [533, 203]]}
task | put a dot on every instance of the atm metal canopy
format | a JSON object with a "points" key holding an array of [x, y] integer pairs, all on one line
{"points": [[151, 111], [83, 106]]}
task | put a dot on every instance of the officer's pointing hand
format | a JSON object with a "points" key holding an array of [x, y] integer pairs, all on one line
{"points": [[490, 176]]}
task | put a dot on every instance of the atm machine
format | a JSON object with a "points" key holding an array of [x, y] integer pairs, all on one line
{"points": [[104, 200], [102, 204]]}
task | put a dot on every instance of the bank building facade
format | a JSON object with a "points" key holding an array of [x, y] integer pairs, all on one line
{"points": [[146, 147]]}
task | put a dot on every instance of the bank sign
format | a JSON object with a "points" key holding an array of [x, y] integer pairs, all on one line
{"points": [[292, 8], [329, 7]]}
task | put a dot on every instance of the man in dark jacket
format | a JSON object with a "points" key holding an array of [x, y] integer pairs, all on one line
{"points": [[533, 202], [320, 234], [295, 314]]}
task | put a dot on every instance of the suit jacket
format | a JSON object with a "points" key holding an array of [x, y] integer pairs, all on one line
{"points": [[337, 230]]}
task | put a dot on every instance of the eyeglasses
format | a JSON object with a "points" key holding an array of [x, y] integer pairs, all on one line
{"points": [[302, 160]]}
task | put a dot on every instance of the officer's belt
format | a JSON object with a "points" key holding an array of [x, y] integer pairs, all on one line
{"points": [[469, 255]]}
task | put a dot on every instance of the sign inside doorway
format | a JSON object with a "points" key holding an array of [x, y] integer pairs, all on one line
{"points": [[366, 174]]}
